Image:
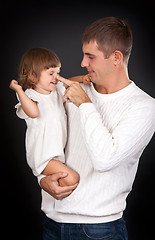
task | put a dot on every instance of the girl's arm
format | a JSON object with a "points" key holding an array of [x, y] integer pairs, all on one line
{"points": [[55, 166], [82, 79], [29, 106]]}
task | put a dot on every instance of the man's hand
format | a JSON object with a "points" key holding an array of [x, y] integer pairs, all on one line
{"points": [[74, 92], [51, 185]]}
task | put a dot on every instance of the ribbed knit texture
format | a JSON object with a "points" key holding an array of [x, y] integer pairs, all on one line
{"points": [[105, 141]]}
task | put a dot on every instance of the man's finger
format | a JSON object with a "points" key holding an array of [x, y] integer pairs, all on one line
{"points": [[64, 195], [65, 81], [65, 191]]}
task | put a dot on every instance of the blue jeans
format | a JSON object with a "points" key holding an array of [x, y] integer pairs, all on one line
{"points": [[115, 230]]}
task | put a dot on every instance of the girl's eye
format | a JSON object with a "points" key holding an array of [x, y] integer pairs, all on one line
{"points": [[51, 74]]}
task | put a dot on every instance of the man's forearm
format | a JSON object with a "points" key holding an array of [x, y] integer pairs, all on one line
{"points": [[55, 166]]}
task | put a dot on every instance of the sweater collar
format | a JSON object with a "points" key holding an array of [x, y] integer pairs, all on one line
{"points": [[119, 93]]}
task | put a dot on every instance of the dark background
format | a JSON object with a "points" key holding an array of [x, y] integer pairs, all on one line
{"points": [[58, 26]]}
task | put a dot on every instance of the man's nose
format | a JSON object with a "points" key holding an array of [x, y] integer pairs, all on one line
{"points": [[84, 62]]}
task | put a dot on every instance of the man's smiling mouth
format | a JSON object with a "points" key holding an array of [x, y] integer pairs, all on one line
{"points": [[90, 72]]}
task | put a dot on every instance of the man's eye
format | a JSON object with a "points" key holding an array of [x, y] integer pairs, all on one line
{"points": [[91, 57]]}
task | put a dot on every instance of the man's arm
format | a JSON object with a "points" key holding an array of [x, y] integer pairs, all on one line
{"points": [[55, 166], [107, 149], [29, 106]]}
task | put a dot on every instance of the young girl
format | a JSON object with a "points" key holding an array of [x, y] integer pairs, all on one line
{"points": [[41, 105]]}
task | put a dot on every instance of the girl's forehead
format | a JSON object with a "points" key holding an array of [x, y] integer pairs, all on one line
{"points": [[56, 69]]}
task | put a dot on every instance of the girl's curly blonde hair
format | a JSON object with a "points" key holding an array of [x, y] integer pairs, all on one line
{"points": [[32, 63]]}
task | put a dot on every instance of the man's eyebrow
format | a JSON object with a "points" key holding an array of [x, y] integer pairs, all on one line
{"points": [[89, 54]]}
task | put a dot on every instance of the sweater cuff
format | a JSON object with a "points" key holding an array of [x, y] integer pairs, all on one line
{"points": [[39, 177], [86, 109]]}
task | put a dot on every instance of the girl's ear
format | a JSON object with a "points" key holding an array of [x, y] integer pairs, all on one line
{"points": [[32, 77]]}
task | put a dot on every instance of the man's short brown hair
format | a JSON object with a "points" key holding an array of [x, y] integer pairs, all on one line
{"points": [[110, 34]]}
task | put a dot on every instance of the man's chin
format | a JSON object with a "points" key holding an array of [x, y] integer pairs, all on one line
{"points": [[93, 79]]}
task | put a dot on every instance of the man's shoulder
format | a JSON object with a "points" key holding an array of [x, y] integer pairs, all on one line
{"points": [[142, 97], [142, 103]]}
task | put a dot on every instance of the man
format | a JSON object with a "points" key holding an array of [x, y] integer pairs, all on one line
{"points": [[110, 122]]}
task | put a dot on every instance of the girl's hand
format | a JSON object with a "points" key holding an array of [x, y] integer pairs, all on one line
{"points": [[15, 86], [86, 79]]}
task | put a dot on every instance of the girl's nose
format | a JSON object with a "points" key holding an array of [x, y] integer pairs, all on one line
{"points": [[55, 75]]}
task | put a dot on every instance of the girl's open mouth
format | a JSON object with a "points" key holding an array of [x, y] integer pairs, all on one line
{"points": [[54, 82]]}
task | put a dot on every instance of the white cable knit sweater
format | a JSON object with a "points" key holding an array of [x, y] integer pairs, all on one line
{"points": [[105, 141]]}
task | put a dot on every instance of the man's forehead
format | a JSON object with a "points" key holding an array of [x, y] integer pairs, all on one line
{"points": [[90, 48]]}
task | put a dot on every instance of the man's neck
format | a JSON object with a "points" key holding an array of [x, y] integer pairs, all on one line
{"points": [[113, 84]]}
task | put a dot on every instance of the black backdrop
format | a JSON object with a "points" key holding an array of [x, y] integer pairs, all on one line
{"points": [[58, 26]]}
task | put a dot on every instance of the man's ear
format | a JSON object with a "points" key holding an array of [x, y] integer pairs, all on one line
{"points": [[117, 57]]}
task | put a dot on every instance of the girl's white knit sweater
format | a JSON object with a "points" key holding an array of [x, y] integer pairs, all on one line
{"points": [[105, 141]]}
